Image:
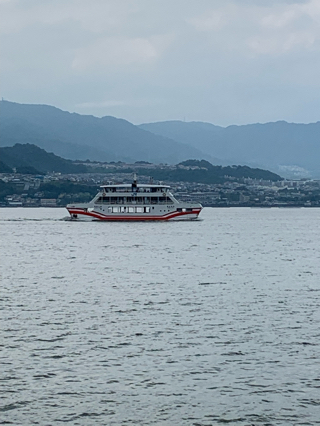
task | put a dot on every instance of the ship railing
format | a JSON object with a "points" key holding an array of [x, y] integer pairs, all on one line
{"points": [[137, 190], [135, 202]]}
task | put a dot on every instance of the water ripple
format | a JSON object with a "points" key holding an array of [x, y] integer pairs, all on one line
{"points": [[213, 322]]}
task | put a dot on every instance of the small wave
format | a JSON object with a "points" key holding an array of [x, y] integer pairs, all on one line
{"points": [[72, 417], [14, 405], [44, 376]]}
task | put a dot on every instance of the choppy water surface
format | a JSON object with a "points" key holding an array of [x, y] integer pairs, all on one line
{"points": [[185, 323]]}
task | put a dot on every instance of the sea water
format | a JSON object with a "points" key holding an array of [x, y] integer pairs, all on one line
{"points": [[177, 323]]}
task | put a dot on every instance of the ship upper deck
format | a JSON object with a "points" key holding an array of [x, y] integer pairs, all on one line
{"points": [[135, 188], [139, 185]]}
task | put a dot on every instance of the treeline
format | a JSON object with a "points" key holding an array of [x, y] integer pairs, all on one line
{"points": [[63, 190], [203, 172]]}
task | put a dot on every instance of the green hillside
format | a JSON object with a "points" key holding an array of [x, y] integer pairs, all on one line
{"points": [[4, 168], [27, 158], [203, 172]]}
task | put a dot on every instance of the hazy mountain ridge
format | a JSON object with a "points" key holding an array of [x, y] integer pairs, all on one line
{"points": [[78, 136], [288, 149], [20, 131], [278, 146]]}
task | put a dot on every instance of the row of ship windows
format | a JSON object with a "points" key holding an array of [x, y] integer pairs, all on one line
{"points": [[134, 200], [129, 209], [139, 209]]}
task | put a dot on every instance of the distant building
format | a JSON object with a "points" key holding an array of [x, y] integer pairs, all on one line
{"points": [[48, 202]]}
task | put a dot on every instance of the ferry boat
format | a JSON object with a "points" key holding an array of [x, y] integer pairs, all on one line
{"points": [[134, 201]]}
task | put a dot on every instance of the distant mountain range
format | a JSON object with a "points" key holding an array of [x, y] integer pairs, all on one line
{"points": [[81, 137], [292, 150], [286, 148]]}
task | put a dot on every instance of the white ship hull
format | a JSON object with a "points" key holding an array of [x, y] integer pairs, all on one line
{"points": [[89, 214]]}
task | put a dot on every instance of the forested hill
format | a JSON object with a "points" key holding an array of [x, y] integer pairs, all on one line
{"points": [[204, 172], [237, 172], [27, 158]]}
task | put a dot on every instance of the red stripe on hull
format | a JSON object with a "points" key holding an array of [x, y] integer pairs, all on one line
{"points": [[101, 216]]}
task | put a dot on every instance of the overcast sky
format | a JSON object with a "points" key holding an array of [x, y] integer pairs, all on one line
{"points": [[220, 61]]}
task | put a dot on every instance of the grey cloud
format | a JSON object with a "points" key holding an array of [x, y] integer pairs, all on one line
{"points": [[223, 61]]}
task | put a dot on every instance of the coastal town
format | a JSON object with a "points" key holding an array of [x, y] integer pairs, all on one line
{"points": [[56, 190]]}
